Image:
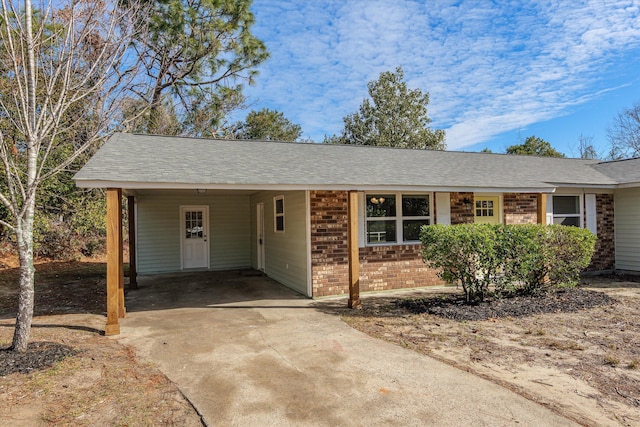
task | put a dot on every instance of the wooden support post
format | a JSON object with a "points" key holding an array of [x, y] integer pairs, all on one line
{"points": [[133, 271], [121, 309], [114, 257], [354, 254], [542, 209]]}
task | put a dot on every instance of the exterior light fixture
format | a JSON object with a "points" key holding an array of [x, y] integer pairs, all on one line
{"points": [[467, 203], [201, 191]]}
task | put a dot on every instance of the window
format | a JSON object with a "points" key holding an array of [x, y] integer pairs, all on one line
{"points": [[278, 213], [566, 210], [484, 208], [193, 224], [396, 217]]}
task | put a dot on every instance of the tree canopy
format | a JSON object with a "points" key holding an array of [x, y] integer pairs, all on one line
{"points": [[396, 116], [195, 56], [270, 125], [534, 146]]}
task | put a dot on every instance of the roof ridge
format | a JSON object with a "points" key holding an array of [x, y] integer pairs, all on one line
{"points": [[360, 146]]}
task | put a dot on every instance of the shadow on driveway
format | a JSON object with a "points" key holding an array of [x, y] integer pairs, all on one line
{"points": [[210, 289]]}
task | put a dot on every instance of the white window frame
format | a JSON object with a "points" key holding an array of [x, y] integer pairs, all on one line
{"points": [[398, 218], [580, 214], [277, 214]]}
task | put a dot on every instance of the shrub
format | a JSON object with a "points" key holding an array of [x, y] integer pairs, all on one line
{"points": [[464, 253], [54, 239], [513, 258], [572, 249], [81, 231], [524, 258]]}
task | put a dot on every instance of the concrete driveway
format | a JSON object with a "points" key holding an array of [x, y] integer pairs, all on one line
{"points": [[247, 351]]}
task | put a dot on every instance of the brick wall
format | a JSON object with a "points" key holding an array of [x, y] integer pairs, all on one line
{"points": [[381, 267], [460, 214], [520, 208], [401, 266], [329, 251], [394, 267], [604, 256]]}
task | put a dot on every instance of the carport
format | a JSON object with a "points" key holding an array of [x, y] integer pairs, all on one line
{"points": [[192, 207]]}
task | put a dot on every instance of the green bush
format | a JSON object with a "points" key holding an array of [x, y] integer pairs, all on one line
{"points": [[513, 258], [80, 230], [54, 239], [573, 249], [464, 253]]}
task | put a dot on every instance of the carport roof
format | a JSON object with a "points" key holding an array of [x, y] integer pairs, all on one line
{"points": [[132, 161]]}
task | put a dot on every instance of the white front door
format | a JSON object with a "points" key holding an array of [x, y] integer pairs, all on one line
{"points": [[260, 235], [195, 231]]}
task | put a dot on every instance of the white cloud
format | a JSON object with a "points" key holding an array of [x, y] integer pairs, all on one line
{"points": [[488, 68]]}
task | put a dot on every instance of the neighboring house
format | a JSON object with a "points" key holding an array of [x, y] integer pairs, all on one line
{"points": [[290, 209]]}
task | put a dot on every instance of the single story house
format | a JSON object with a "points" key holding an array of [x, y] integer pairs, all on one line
{"points": [[331, 219]]}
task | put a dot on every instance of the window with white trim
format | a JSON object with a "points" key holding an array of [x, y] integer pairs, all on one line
{"points": [[278, 214], [567, 210], [396, 217]]}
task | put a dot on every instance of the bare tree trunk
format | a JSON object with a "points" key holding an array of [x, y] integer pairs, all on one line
{"points": [[24, 235], [24, 231]]}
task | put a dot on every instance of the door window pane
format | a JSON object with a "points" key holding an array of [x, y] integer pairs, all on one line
{"points": [[193, 224], [484, 208]]}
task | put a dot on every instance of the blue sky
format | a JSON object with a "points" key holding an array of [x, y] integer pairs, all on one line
{"points": [[496, 71]]}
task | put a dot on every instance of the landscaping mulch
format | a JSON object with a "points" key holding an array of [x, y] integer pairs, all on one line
{"points": [[455, 306], [39, 355]]}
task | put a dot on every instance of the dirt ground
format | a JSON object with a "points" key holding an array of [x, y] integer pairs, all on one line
{"points": [[584, 364], [72, 375]]}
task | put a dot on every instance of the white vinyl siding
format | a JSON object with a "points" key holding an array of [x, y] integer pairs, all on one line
{"points": [[627, 229], [230, 233], [285, 253], [158, 230]]}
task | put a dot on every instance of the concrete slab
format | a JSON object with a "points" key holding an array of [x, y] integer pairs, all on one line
{"points": [[248, 351]]}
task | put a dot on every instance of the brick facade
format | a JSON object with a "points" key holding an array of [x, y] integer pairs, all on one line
{"points": [[520, 208], [460, 212], [604, 257], [401, 266], [381, 267], [394, 267], [329, 251]]}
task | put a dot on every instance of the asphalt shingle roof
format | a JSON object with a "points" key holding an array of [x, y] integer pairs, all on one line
{"points": [[623, 171], [158, 160]]}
